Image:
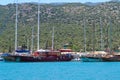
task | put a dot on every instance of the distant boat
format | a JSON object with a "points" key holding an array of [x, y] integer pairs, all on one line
{"points": [[108, 55], [90, 59], [103, 58], [1, 59], [111, 58], [92, 56]]}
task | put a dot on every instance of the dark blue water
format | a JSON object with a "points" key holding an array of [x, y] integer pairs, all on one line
{"points": [[60, 71]]}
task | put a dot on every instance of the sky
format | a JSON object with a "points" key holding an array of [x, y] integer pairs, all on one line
{"points": [[4, 2]]}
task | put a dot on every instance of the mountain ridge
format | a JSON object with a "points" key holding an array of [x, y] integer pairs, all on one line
{"points": [[67, 20]]}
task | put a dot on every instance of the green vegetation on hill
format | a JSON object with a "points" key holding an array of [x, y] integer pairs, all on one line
{"points": [[68, 22]]}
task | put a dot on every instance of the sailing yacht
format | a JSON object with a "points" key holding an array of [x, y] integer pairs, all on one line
{"points": [[40, 55], [93, 56], [105, 56]]}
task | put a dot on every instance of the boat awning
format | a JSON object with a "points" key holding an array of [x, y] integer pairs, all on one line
{"points": [[65, 50], [43, 50], [46, 50], [22, 51]]}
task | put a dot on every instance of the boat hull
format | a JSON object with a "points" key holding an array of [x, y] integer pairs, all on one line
{"points": [[1, 59], [113, 58], [19, 58], [91, 59], [107, 58]]}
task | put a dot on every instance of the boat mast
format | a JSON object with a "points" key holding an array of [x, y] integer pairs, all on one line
{"points": [[101, 27], [53, 39], [38, 42], [110, 36], [32, 39], [16, 25], [84, 35], [93, 36]]}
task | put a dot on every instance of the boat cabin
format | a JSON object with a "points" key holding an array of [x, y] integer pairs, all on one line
{"points": [[43, 52]]}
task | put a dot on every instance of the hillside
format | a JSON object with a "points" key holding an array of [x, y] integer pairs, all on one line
{"points": [[68, 20]]}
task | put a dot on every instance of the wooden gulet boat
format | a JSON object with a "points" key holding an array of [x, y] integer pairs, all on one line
{"points": [[40, 55], [92, 57]]}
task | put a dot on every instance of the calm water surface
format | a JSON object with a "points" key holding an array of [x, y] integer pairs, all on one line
{"points": [[60, 71]]}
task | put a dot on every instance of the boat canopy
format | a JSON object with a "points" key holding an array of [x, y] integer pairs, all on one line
{"points": [[22, 51], [65, 50], [43, 50]]}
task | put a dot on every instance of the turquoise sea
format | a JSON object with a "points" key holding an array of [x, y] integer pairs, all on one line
{"points": [[60, 71]]}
